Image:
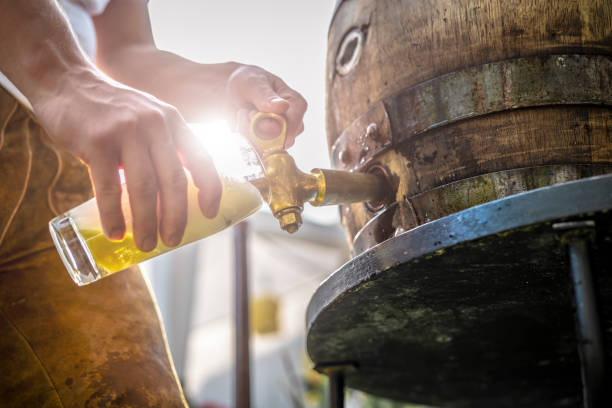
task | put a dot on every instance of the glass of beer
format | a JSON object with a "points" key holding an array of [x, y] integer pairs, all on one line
{"points": [[89, 256]]}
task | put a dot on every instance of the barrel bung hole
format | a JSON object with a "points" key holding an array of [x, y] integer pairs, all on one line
{"points": [[349, 51], [347, 55]]}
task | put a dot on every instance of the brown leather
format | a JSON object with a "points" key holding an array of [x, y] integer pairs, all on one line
{"points": [[63, 346]]}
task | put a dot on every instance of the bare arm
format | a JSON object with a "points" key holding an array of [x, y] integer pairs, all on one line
{"points": [[37, 48], [127, 52], [106, 124]]}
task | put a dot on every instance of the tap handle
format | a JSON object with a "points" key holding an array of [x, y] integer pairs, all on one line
{"points": [[266, 145]]}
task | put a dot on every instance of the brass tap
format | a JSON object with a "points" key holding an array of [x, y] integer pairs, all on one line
{"points": [[285, 188]]}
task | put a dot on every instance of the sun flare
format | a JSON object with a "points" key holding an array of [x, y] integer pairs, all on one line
{"points": [[231, 153]]}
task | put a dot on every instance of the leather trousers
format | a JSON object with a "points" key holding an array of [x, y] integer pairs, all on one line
{"points": [[100, 345]]}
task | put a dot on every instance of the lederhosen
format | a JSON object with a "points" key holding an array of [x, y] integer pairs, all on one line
{"points": [[60, 345]]}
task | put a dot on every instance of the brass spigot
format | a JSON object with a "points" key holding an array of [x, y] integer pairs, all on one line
{"points": [[285, 188]]}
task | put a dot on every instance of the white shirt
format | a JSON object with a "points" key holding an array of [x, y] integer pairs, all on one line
{"points": [[79, 14]]}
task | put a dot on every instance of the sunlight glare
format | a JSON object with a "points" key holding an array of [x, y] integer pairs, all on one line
{"points": [[231, 153]]}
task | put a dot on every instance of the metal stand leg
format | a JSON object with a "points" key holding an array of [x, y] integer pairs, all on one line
{"points": [[242, 380], [336, 389], [590, 346]]}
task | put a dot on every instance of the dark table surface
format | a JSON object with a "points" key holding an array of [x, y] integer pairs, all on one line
{"points": [[471, 310]]}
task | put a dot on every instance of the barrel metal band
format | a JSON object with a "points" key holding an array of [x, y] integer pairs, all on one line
{"points": [[472, 92], [460, 195]]}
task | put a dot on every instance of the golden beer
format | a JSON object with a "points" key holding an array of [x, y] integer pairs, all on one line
{"points": [[89, 255]]}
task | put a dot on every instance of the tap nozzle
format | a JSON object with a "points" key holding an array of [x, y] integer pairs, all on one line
{"points": [[290, 219], [285, 188]]}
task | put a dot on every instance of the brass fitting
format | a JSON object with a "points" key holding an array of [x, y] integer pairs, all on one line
{"points": [[285, 188], [290, 220]]}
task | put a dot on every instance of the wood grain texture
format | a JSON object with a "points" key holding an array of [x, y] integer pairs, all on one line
{"points": [[410, 42], [561, 135]]}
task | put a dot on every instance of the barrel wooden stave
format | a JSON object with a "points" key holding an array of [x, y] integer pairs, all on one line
{"points": [[569, 135], [408, 43]]}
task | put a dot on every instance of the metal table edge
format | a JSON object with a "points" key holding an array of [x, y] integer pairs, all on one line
{"points": [[545, 204]]}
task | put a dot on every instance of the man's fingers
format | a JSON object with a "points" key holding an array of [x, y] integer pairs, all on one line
{"points": [[270, 128], [172, 192], [266, 128], [202, 170], [243, 117], [143, 190], [259, 93], [105, 176], [295, 125], [253, 87], [257, 90], [296, 111]]}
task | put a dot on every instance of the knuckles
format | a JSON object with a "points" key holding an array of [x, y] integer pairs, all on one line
{"points": [[160, 118], [246, 76], [302, 103], [247, 79], [177, 180], [145, 188], [242, 72], [254, 80], [130, 123]]}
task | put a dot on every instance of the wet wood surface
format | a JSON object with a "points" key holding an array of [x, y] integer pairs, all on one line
{"points": [[407, 43]]}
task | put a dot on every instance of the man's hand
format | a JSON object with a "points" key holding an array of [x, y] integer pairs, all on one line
{"points": [[109, 125], [251, 89], [127, 52]]}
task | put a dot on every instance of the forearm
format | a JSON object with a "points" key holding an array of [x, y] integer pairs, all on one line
{"points": [[107, 125], [195, 89], [37, 48], [127, 52]]}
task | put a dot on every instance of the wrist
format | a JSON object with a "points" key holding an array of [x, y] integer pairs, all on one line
{"points": [[49, 71], [59, 81]]}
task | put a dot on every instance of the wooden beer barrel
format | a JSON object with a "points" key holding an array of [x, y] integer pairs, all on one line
{"points": [[463, 102]]}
